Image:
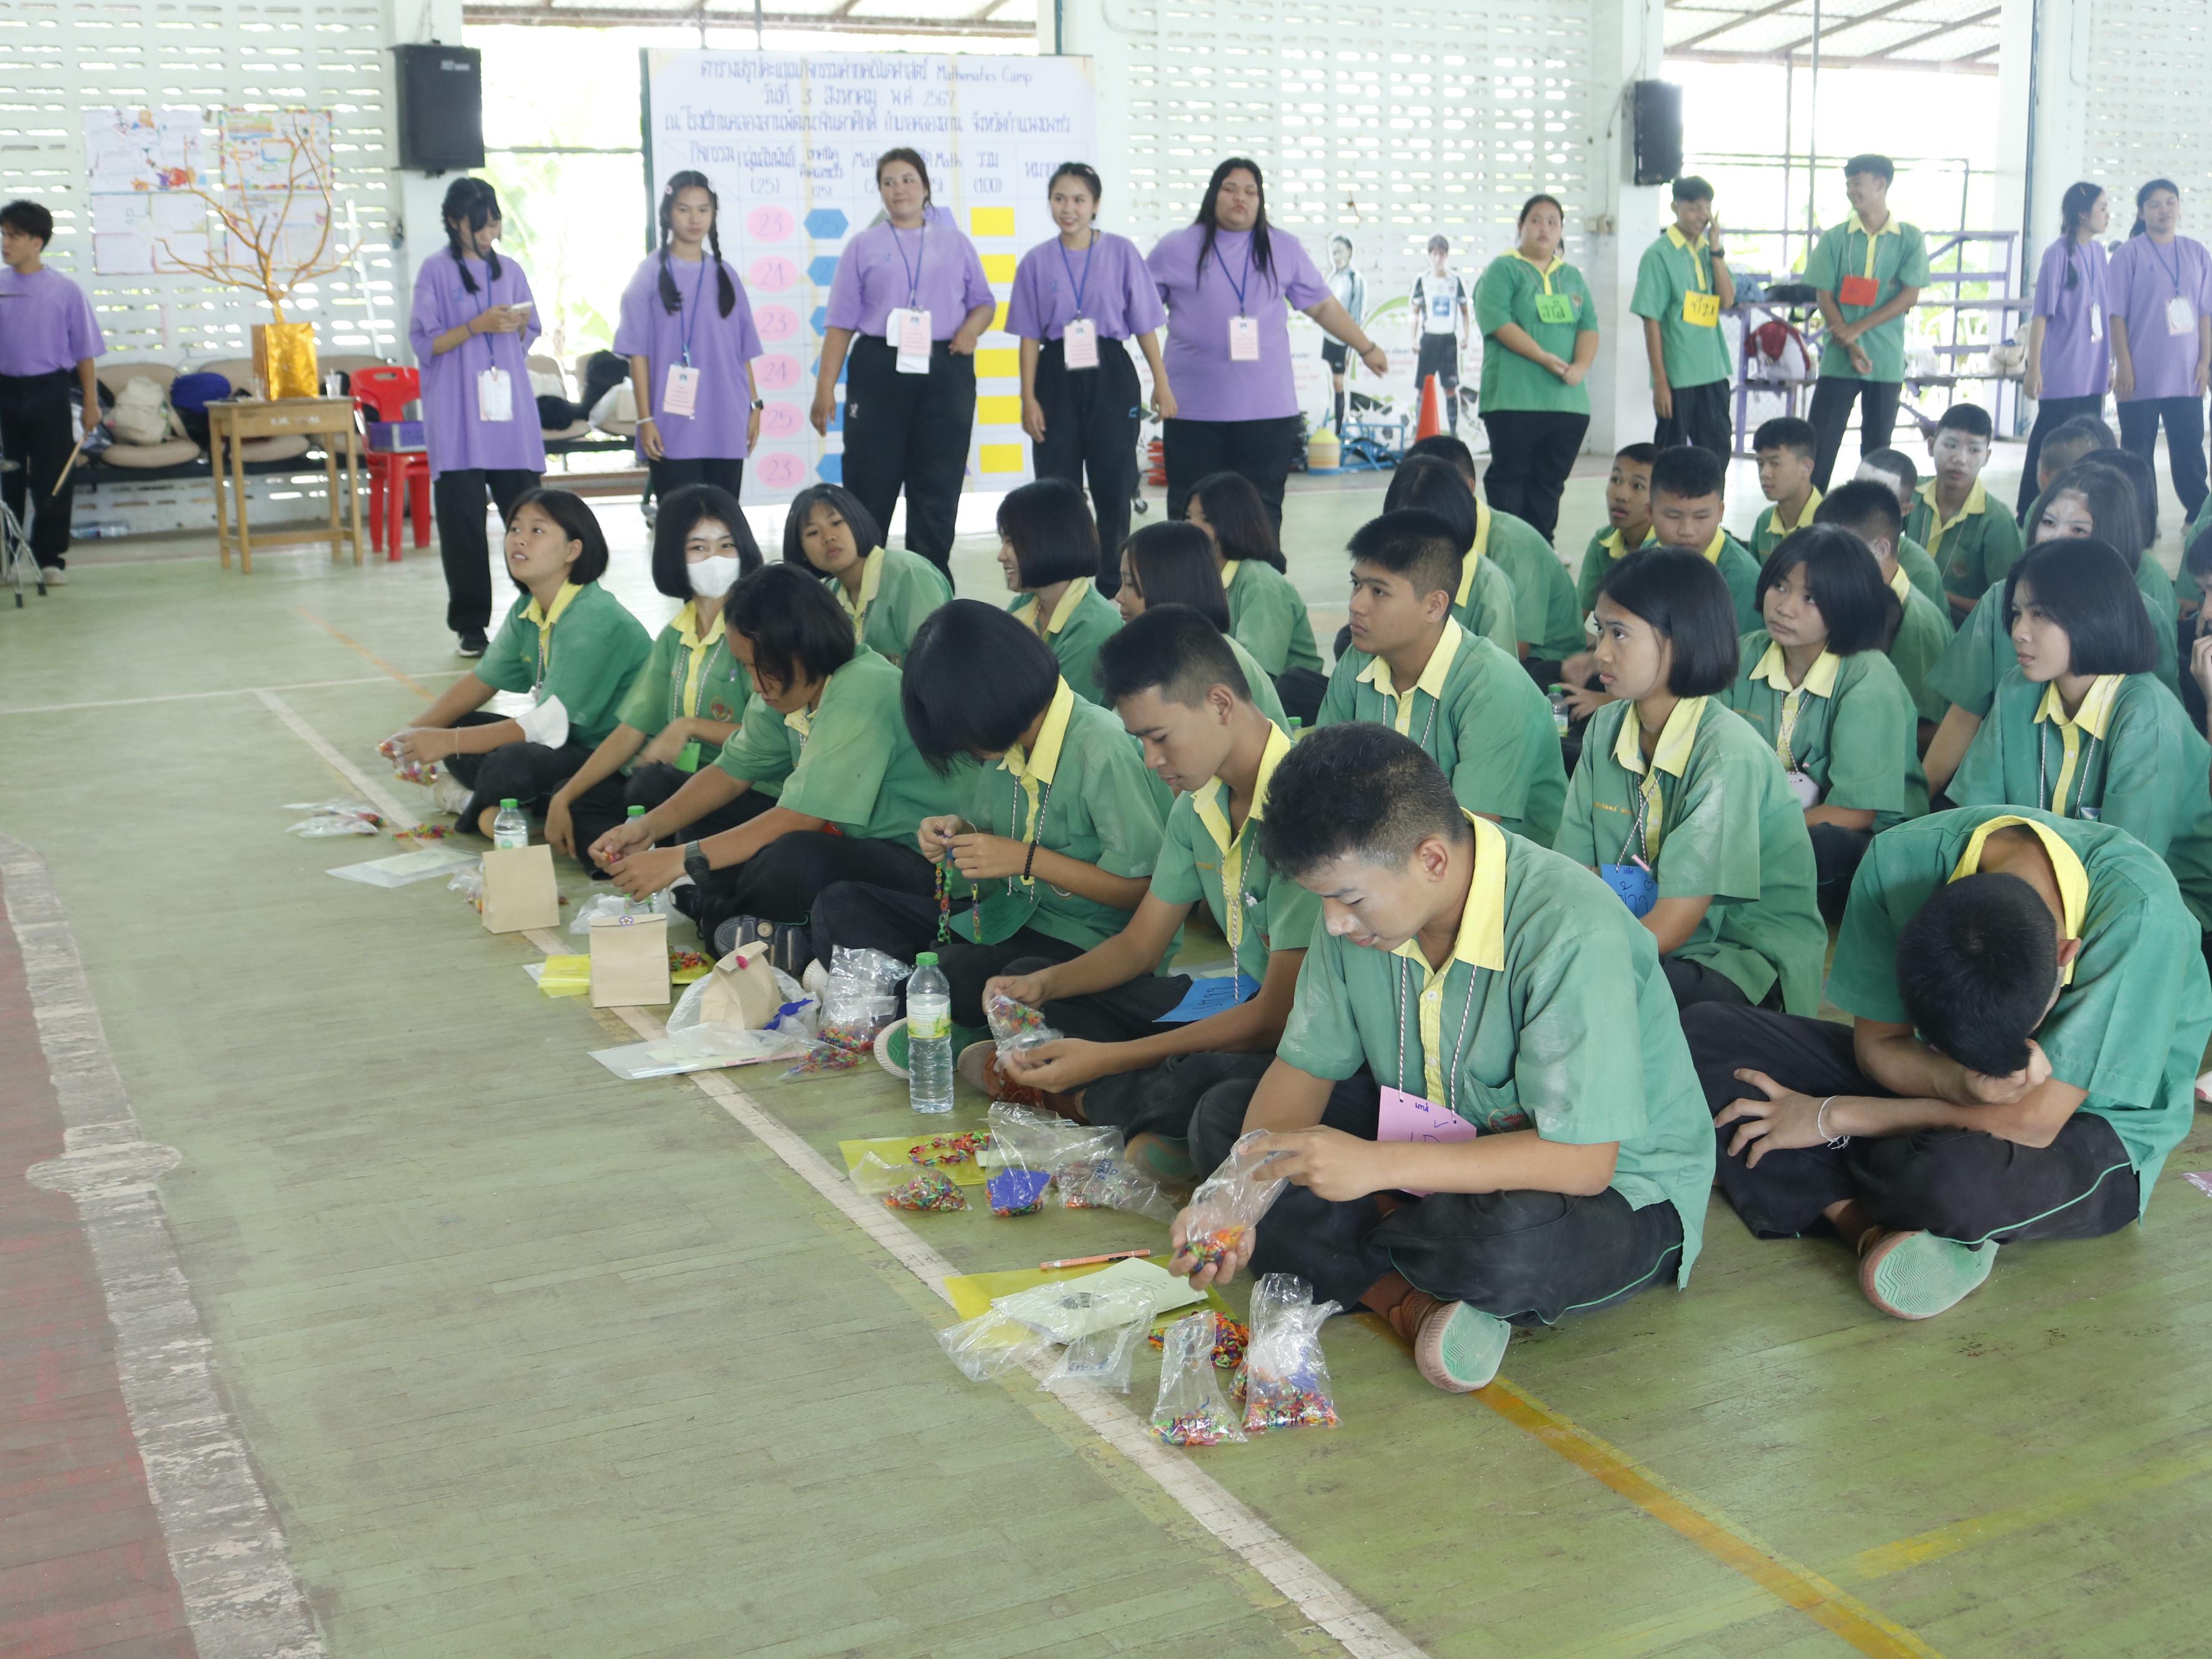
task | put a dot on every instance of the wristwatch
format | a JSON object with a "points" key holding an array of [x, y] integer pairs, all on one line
{"points": [[695, 861]]}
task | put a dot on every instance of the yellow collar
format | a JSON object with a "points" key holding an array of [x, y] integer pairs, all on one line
{"points": [[1229, 569], [1977, 502], [1064, 609], [1434, 673], [1820, 678], [1684, 243], [2073, 879], [872, 582], [1901, 585], [1890, 227], [688, 632], [533, 612], [801, 720], [1038, 765], [2096, 711], [1541, 270], [1802, 520], [1210, 799], [1482, 518], [1616, 545], [1676, 738], [1480, 942], [1713, 547]]}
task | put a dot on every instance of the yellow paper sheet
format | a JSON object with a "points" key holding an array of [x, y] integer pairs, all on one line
{"points": [[893, 1149], [973, 1293], [565, 976]]}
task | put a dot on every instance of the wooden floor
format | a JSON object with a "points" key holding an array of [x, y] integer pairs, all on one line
{"points": [[532, 1362]]}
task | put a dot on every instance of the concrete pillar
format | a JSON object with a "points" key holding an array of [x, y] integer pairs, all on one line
{"points": [[2043, 119], [1625, 40]]}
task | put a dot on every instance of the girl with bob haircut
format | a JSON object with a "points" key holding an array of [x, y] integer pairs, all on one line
{"points": [[1682, 806], [1048, 550], [1486, 602], [1173, 563], [824, 727], [1052, 847], [566, 642], [690, 695], [1267, 614], [887, 591], [2081, 729], [1816, 687]]}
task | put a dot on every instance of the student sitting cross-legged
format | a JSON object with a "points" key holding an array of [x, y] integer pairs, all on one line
{"points": [[1973, 542], [824, 726], [1413, 667], [1814, 685], [690, 694], [1056, 839], [1682, 806], [1173, 563], [2030, 1008], [1470, 969], [2080, 728], [1918, 632], [1266, 612], [1548, 625], [887, 589], [1142, 1044], [1048, 550], [568, 642]]}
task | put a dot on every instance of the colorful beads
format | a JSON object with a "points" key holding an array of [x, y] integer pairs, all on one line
{"points": [[1203, 1427], [931, 1189], [946, 1149], [1283, 1403], [1231, 1339], [1211, 1249]]}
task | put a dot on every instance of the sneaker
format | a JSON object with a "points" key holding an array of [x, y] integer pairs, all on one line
{"points": [[449, 794], [725, 936], [472, 644], [1918, 1275], [1455, 1347], [890, 1049], [978, 1066], [54, 575]]}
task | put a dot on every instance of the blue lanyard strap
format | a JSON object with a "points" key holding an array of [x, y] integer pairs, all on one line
{"points": [[1078, 286], [2175, 274], [913, 266], [691, 317], [1235, 285]]}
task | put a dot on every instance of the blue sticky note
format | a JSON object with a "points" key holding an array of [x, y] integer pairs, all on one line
{"points": [[1637, 887], [1014, 1190], [1214, 994]]}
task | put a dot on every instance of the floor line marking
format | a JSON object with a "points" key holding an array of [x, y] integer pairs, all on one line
{"points": [[399, 817], [196, 696], [362, 651]]}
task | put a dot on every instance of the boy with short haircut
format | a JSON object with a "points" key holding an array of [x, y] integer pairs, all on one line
{"points": [[1125, 1060], [1869, 511], [49, 337], [1971, 546], [1470, 969], [1785, 446], [1868, 272], [1545, 619], [1628, 515], [1412, 668], [2031, 1006], [1441, 317], [1688, 496], [1893, 469], [1682, 286]]}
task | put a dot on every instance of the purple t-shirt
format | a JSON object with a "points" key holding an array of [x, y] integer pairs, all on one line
{"points": [[1208, 386], [2074, 364], [884, 268], [46, 322], [2140, 281], [457, 441], [719, 348], [1118, 291]]}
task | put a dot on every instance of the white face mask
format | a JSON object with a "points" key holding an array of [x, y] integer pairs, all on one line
{"points": [[712, 578]]}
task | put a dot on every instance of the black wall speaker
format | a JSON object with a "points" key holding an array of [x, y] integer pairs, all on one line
{"points": [[1657, 107], [440, 108]]}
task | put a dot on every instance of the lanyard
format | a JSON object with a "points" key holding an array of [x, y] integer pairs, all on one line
{"points": [[1403, 715], [1035, 828], [684, 675], [1793, 703], [913, 266], [691, 316], [1232, 892], [1233, 282], [1080, 287], [1448, 1078], [2175, 274], [2044, 795], [1648, 802], [487, 306]]}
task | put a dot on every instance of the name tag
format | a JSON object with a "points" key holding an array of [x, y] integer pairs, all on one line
{"points": [[1859, 291], [681, 395], [1807, 791], [2096, 323], [1214, 994], [1638, 887], [1243, 339], [495, 395], [1401, 1116], [908, 331], [1702, 310], [1079, 343], [2180, 315], [1555, 308]]}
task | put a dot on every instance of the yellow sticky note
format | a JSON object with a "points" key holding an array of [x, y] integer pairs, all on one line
{"points": [[1003, 457], [999, 267], [565, 976], [992, 221], [894, 1149], [999, 411], [998, 364]]}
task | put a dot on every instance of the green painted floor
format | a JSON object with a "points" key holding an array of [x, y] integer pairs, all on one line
{"points": [[533, 1361]]}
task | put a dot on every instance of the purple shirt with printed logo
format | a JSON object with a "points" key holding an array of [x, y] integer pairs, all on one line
{"points": [[884, 268], [2075, 365], [457, 441], [719, 348], [1208, 386], [1118, 292], [2139, 282], [46, 322]]}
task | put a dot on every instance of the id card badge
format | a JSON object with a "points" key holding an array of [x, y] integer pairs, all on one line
{"points": [[1214, 994], [1079, 343], [681, 395], [2096, 323], [910, 336], [494, 395], [1807, 791], [1243, 339], [1403, 1115], [1702, 310], [1637, 887], [1555, 307], [1859, 291], [2180, 315]]}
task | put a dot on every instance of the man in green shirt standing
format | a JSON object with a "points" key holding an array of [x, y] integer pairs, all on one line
{"points": [[2030, 1005], [1482, 1101], [1682, 286], [1868, 271]]}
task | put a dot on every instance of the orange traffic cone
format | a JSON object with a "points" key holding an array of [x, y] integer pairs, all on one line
{"points": [[1433, 413]]}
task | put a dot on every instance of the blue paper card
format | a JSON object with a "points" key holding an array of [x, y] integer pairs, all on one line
{"points": [[1216, 993], [1012, 1192], [1637, 887]]}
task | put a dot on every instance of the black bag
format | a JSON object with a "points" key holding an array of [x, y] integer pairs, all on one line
{"points": [[603, 372]]}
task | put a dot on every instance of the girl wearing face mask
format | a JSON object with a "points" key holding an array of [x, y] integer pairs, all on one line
{"points": [[2081, 729], [1540, 333], [2069, 354], [2160, 289], [887, 591], [691, 694], [1048, 552]]}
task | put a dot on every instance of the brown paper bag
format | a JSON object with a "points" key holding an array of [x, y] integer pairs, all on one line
{"points": [[741, 991], [518, 890], [629, 961]]}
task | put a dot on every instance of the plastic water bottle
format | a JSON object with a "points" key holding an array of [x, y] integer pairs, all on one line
{"points": [[929, 1036], [511, 827], [1562, 716]]}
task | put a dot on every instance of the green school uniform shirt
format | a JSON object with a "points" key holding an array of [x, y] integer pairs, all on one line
{"points": [[1898, 260], [2150, 576], [1972, 551], [1605, 547], [1486, 605], [1268, 614], [587, 655], [1741, 572], [1980, 654], [1265, 697], [1919, 568], [1478, 716], [1672, 269], [1853, 730], [850, 761], [1768, 530], [2129, 758], [1924, 634], [898, 590], [1083, 620], [1201, 858], [1509, 292], [687, 677], [2131, 1019], [1544, 613], [1099, 812], [1729, 829], [1523, 1028]]}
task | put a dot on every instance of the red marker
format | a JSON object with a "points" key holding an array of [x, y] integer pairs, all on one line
{"points": [[1092, 1261]]}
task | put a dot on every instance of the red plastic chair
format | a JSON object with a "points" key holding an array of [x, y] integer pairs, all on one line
{"points": [[395, 477]]}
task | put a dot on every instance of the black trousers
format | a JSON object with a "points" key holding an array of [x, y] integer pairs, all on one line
{"points": [[1702, 416], [1261, 450], [2184, 418], [1301, 690], [462, 547], [527, 774], [783, 880], [1956, 1183], [2050, 414], [650, 786], [861, 917], [1694, 982], [39, 428], [669, 475], [910, 432], [1837, 854], [1439, 356], [1833, 398], [1531, 453], [1527, 1257], [1091, 426]]}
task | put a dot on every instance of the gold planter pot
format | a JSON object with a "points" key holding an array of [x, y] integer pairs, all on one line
{"points": [[284, 358]]}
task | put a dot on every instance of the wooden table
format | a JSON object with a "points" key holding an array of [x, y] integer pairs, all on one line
{"points": [[232, 421]]}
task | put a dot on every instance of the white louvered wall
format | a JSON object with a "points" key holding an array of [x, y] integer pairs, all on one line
{"points": [[2149, 74]]}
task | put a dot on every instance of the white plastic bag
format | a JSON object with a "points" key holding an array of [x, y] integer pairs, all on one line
{"points": [[1101, 1358]]}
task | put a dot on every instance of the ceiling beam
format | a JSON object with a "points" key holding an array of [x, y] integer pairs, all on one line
{"points": [[1951, 27], [1767, 10], [1966, 66], [620, 17], [1829, 32]]}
